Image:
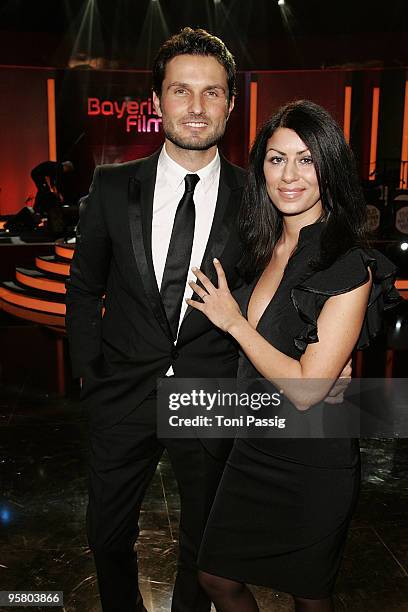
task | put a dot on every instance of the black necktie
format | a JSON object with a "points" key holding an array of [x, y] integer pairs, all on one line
{"points": [[179, 254]]}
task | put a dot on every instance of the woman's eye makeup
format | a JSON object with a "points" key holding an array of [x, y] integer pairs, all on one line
{"points": [[278, 159]]}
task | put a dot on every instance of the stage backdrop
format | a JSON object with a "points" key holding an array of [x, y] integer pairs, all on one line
{"points": [[107, 116], [24, 132]]}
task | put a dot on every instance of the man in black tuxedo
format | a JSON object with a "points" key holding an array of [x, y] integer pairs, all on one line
{"points": [[142, 226]]}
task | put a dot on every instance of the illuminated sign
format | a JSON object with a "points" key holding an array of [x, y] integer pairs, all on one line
{"points": [[139, 116], [373, 217], [401, 220]]}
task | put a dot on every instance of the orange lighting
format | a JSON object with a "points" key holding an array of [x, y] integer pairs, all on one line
{"points": [[404, 148], [401, 284], [44, 284], [43, 318], [347, 112], [62, 251], [253, 104], [55, 267], [31, 303], [52, 131], [2, 224], [374, 132]]}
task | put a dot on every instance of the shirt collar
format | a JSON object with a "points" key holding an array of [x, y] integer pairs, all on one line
{"points": [[174, 173]]}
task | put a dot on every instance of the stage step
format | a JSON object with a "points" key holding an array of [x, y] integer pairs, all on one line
{"points": [[32, 299], [402, 286], [52, 263], [54, 321], [64, 249], [31, 277]]}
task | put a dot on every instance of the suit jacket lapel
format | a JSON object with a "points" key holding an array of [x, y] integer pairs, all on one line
{"points": [[224, 217], [141, 192]]}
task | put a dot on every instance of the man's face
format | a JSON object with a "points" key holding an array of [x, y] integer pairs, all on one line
{"points": [[194, 104]]}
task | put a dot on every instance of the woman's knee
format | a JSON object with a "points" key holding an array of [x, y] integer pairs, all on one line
{"points": [[215, 586]]}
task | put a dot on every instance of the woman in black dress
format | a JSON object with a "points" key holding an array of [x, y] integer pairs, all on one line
{"points": [[283, 507]]}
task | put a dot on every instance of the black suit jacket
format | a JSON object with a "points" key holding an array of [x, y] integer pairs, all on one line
{"points": [[121, 355]]}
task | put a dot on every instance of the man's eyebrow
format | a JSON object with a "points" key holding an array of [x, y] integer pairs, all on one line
{"points": [[187, 85], [215, 86], [284, 154], [178, 84]]}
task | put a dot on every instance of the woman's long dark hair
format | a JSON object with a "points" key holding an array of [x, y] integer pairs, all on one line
{"points": [[340, 191]]}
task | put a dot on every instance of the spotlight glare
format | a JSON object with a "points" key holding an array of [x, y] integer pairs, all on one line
{"points": [[404, 246], [4, 515], [281, 2]]}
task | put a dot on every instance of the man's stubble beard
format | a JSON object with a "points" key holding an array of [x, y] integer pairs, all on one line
{"points": [[192, 144]]}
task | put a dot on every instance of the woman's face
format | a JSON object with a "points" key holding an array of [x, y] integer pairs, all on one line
{"points": [[290, 175]]}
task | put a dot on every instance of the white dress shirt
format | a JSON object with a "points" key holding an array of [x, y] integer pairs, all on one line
{"points": [[168, 191]]}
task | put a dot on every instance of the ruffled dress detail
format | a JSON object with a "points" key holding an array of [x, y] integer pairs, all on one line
{"points": [[347, 273]]}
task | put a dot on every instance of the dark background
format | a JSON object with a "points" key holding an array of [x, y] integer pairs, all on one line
{"points": [[262, 35], [106, 48]]}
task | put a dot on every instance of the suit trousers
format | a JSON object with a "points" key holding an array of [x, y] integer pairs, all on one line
{"points": [[123, 460]]}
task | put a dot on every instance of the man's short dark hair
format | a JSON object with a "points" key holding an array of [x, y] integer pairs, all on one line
{"points": [[196, 41]]}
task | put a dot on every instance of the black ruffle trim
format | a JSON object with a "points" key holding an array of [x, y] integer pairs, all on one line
{"points": [[346, 274]]}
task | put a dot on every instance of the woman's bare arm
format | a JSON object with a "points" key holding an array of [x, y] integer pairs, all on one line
{"points": [[339, 326]]}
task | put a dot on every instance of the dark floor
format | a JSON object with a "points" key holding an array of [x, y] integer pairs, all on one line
{"points": [[43, 500]]}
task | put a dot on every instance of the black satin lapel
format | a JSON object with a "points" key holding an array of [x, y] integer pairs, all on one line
{"points": [[140, 220], [224, 217], [220, 230]]}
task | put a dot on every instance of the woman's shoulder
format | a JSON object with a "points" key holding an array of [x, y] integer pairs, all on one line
{"points": [[349, 271]]}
